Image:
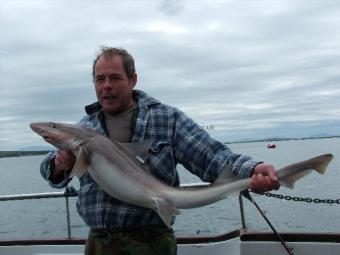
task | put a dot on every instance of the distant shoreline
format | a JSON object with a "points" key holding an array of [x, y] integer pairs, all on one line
{"points": [[277, 139], [9, 154]]}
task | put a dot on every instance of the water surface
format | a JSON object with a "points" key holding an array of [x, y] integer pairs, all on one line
{"points": [[46, 217]]}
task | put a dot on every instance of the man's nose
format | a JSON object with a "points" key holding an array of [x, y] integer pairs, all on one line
{"points": [[111, 86], [108, 83]]}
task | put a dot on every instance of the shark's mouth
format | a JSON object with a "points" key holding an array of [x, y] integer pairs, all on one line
{"points": [[46, 137]]}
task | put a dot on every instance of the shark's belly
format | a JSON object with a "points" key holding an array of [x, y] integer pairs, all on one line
{"points": [[122, 188]]}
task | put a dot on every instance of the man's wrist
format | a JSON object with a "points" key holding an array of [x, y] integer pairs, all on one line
{"points": [[253, 170]]}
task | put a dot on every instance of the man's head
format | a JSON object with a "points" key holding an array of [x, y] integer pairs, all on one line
{"points": [[114, 76]]}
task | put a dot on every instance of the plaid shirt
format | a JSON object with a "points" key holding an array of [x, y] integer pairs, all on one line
{"points": [[176, 139]]}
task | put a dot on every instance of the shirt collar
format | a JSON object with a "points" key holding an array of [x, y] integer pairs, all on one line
{"points": [[144, 100]]}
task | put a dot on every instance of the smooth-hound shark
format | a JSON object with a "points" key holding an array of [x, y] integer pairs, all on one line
{"points": [[117, 169]]}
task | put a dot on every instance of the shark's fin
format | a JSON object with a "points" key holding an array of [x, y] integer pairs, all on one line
{"points": [[289, 181], [165, 210], [294, 172], [139, 150], [226, 176], [81, 164]]}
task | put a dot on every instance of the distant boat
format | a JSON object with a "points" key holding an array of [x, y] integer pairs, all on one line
{"points": [[271, 146]]}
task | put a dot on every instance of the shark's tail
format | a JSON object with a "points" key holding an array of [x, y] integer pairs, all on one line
{"points": [[291, 173]]}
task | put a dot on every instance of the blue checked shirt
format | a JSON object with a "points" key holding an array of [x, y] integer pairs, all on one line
{"points": [[176, 139]]}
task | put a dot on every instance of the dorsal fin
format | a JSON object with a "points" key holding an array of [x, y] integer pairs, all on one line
{"points": [[139, 151], [226, 176]]}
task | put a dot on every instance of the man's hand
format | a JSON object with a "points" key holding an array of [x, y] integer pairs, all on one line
{"points": [[264, 179], [63, 163], [64, 160]]}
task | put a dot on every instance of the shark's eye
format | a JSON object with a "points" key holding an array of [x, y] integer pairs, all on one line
{"points": [[53, 125]]}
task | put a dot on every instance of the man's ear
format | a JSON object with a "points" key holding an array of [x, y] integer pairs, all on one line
{"points": [[133, 80]]}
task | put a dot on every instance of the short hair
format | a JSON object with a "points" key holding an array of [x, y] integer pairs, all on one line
{"points": [[128, 62]]}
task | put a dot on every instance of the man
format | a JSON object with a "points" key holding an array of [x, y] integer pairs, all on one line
{"points": [[127, 115]]}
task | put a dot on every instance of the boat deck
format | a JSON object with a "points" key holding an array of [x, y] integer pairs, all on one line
{"points": [[237, 242]]}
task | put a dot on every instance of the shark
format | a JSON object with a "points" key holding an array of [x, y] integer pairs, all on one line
{"points": [[120, 169]]}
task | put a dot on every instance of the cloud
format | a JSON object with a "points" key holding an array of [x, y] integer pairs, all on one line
{"points": [[250, 68]]}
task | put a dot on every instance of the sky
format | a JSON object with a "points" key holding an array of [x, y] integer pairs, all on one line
{"points": [[250, 69]]}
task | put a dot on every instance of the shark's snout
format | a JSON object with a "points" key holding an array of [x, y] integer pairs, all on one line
{"points": [[59, 135], [35, 127], [39, 129]]}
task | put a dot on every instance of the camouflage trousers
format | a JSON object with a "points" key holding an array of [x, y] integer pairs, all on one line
{"points": [[149, 240]]}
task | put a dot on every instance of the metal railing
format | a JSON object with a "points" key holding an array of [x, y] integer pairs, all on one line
{"points": [[72, 192], [69, 192]]}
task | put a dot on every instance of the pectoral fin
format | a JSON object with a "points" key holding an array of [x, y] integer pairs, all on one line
{"points": [[81, 164], [165, 210]]}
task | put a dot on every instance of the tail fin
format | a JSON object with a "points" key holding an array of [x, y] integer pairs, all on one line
{"points": [[291, 173]]}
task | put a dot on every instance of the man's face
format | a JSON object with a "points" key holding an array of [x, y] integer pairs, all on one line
{"points": [[113, 87]]}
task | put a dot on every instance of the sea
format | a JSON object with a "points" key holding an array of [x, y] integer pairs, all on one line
{"points": [[46, 218]]}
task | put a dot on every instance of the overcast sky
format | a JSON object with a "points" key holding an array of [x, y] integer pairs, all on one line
{"points": [[252, 69]]}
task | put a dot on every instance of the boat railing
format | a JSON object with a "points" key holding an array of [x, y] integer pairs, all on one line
{"points": [[72, 192], [69, 192]]}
